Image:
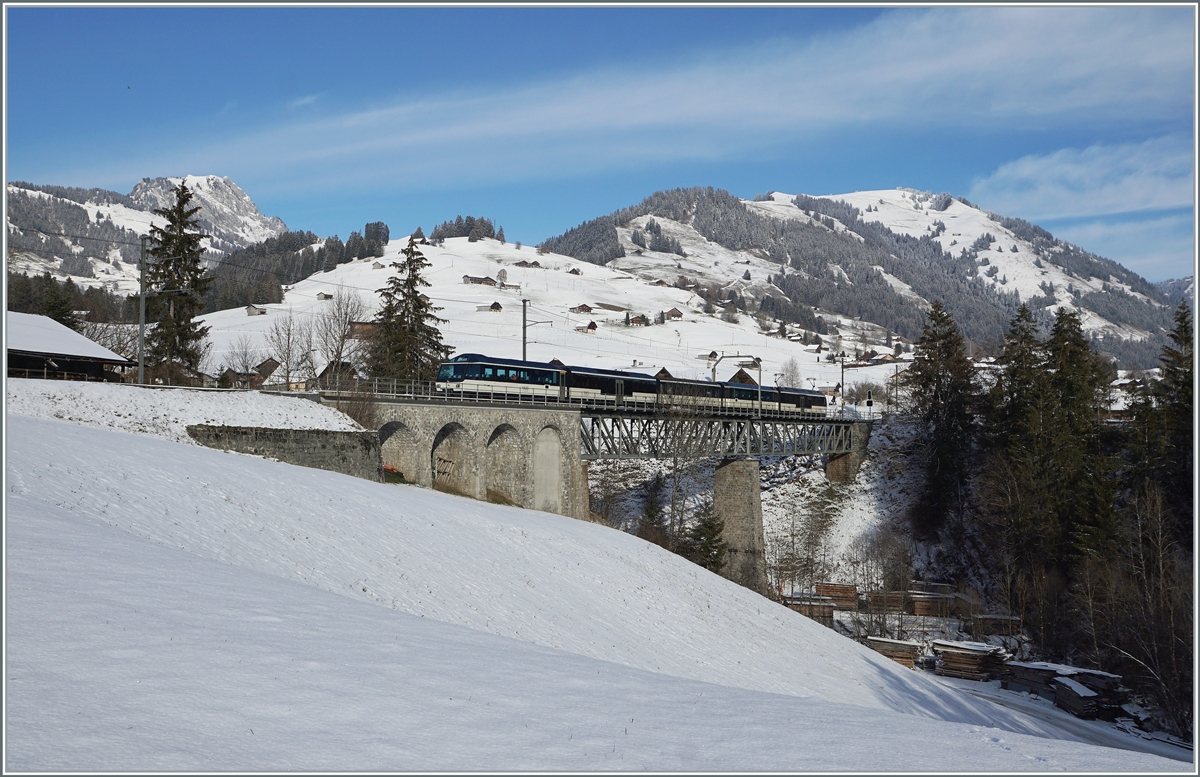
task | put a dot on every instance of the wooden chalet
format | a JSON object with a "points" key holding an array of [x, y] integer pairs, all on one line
{"points": [[583, 308], [40, 347], [673, 314], [743, 377], [255, 310], [588, 329], [574, 271], [321, 295], [478, 281]]}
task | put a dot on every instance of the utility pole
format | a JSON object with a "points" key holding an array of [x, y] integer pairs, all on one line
{"points": [[142, 313], [525, 324]]}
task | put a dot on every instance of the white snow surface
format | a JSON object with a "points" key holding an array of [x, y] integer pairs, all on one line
{"points": [[897, 209], [172, 607], [42, 334], [166, 412], [679, 345]]}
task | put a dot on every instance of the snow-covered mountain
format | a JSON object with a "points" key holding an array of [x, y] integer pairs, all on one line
{"points": [[882, 256], [104, 227], [1177, 289]]}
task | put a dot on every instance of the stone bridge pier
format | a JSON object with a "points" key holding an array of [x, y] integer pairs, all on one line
{"points": [[520, 456]]}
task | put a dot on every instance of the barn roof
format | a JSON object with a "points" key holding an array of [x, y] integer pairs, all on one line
{"points": [[27, 333]]}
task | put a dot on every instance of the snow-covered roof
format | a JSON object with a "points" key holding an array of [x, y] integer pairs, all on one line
{"points": [[39, 334]]}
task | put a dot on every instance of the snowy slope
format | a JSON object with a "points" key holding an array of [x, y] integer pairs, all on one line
{"points": [[681, 346], [169, 607], [908, 212]]}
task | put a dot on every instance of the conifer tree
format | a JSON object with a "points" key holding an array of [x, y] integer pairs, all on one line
{"points": [[406, 343], [702, 543], [942, 386], [177, 279]]}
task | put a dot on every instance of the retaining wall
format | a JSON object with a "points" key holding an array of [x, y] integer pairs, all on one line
{"points": [[350, 453]]}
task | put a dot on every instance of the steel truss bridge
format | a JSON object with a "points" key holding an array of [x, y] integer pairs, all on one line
{"points": [[617, 436], [643, 430]]}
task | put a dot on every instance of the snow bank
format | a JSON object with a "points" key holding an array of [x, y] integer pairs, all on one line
{"points": [[125, 656], [218, 570], [166, 412]]}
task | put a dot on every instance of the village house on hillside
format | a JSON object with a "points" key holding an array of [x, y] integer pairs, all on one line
{"points": [[495, 307], [471, 279], [255, 310], [584, 308], [588, 329]]}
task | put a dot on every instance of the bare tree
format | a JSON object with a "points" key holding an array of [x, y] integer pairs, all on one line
{"points": [[333, 328], [242, 356], [121, 339], [290, 342], [789, 376]]}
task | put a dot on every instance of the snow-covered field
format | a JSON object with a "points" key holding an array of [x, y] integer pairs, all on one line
{"points": [[681, 346], [167, 412], [172, 607]]}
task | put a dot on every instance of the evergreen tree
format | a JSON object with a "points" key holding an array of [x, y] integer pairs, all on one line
{"points": [[177, 279], [702, 543], [1079, 382], [500, 235], [652, 523], [942, 386], [1161, 432], [407, 343], [418, 234]]}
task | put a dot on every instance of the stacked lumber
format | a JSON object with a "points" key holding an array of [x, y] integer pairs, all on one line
{"points": [[936, 605], [1036, 677], [886, 601], [1075, 698], [995, 624], [1041, 677], [819, 608], [1110, 694], [845, 597], [901, 651], [969, 660], [923, 587]]}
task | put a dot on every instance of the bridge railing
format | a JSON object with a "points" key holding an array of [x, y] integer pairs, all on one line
{"points": [[548, 397]]}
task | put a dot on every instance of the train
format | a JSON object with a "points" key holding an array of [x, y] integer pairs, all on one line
{"points": [[553, 382]]}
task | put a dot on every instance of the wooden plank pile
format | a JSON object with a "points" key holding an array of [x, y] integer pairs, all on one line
{"points": [[935, 605], [819, 608], [1036, 677], [969, 660], [1075, 698], [901, 651], [1006, 625], [924, 587], [1041, 678], [845, 597], [886, 601]]}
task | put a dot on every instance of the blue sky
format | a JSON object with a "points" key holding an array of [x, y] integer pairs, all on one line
{"points": [[1080, 119]]}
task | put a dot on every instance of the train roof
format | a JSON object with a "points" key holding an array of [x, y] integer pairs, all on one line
{"points": [[612, 373], [464, 358]]}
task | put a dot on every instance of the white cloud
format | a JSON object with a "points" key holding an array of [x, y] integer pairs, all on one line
{"points": [[1156, 174], [968, 67], [306, 100]]}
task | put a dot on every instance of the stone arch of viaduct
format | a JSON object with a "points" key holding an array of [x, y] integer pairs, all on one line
{"points": [[529, 458]]}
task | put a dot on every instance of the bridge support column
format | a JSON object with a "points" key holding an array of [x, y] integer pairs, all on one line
{"points": [[737, 500], [843, 467]]}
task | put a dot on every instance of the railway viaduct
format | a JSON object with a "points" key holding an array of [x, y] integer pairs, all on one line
{"points": [[537, 457]]}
